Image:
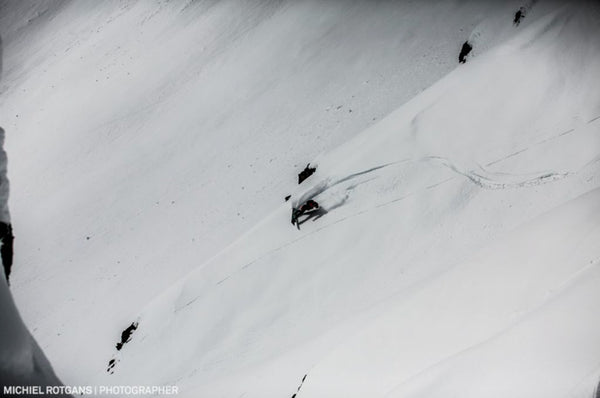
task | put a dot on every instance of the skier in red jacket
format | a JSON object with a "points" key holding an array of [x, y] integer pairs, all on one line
{"points": [[308, 207]]}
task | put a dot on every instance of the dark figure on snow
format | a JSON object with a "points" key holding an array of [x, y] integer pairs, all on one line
{"points": [[6, 251], [307, 207], [519, 15], [6, 235], [307, 172], [464, 51], [126, 335]]}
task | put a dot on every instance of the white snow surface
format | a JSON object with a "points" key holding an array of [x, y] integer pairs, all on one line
{"points": [[457, 254], [22, 362]]}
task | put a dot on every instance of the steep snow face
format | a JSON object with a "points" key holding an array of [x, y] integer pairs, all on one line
{"points": [[456, 254], [516, 319], [148, 135], [22, 362]]}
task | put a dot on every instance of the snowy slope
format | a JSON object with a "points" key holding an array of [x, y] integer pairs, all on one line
{"points": [[22, 362], [458, 254], [146, 136], [518, 319]]}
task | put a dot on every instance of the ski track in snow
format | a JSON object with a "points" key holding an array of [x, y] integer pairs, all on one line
{"points": [[478, 179], [567, 132], [325, 185], [593, 120], [486, 182]]}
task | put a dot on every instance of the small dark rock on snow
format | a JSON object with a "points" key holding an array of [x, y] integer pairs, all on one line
{"points": [[307, 172], [519, 15], [126, 335], [466, 49]]}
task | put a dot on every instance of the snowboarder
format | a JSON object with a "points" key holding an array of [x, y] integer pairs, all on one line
{"points": [[6, 235], [308, 207], [307, 172]]}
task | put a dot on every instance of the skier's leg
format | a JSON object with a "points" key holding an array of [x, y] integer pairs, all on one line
{"points": [[297, 214]]}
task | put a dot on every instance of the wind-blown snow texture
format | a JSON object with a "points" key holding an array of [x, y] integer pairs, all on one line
{"points": [[457, 255]]}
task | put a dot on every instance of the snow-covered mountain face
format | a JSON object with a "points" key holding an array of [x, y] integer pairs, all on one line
{"points": [[145, 137], [23, 364]]}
